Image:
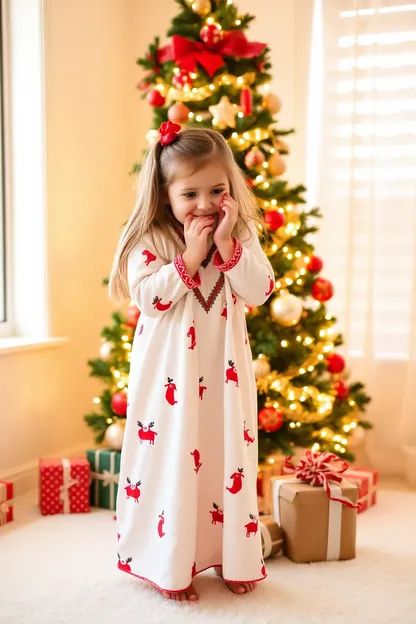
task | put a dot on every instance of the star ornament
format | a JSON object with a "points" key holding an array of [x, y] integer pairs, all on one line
{"points": [[224, 113]]}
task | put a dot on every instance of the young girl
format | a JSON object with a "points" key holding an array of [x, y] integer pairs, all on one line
{"points": [[190, 258]]}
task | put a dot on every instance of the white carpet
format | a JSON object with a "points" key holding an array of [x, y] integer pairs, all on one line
{"points": [[62, 569]]}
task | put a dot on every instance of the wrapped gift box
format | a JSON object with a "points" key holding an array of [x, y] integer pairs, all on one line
{"points": [[64, 485], [367, 483], [315, 528], [271, 537], [105, 469], [6, 495]]}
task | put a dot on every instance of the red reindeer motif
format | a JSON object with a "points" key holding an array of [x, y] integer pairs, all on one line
{"points": [[231, 373], [271, 286], [217, 515], [170, 392], [150, 257], [140, 330], [238, 481], [247, 438], [160, 524], [145, 433], [191, 335], [201, 388], [132, 490], [158, 305], [224, 312], [197, 456], [123, 564], [252, 527]]}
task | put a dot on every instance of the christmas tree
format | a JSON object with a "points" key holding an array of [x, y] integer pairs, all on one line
{"points": [[211, 75]]}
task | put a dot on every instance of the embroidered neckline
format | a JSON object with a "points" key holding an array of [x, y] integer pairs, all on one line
{"points": [[205, 303]]}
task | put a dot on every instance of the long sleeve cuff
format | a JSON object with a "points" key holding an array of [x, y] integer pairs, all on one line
{"points": [[226, 266], [190, 282]]}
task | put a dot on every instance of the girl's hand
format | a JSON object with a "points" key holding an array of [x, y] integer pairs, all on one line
{"points": [[196, 231], [227, 220]]}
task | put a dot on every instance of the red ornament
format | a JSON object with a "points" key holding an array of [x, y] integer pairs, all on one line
{"points": [[341, 390], [270, 419], [260, 66], [119, 403], [322, 289], [133, 315], [246, 100], [274, 219], [212, 35], [315, 264], [155, 98], [181, 78], [335, 363], [250, 182]]}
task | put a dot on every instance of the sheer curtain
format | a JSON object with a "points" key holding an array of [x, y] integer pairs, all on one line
{"points": [[362, 173]]}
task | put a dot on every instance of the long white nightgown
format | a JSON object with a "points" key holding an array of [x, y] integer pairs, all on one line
{"points": [[187, 496]]}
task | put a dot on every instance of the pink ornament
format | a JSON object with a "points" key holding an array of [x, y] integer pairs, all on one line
{"points": [[254, 158], [133, 315], [178, 113], [277, 165]]}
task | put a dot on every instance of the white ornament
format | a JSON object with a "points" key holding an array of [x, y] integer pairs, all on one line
{"points": [[224, 113], [105, 350], [261, 367], [114, 435], [286, 310]]}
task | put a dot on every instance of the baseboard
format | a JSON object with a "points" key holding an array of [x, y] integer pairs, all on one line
{"points": [[25, 478]]}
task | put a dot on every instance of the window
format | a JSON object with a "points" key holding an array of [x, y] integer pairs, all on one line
{"points": [[365, 162]]}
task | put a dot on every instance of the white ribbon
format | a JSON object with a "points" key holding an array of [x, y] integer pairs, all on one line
{"points": [[333, 550], [108, 478], [68, 483], [4, 504]]}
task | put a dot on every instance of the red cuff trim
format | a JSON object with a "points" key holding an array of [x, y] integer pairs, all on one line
{"points": [[226, 266], [186, 278]]}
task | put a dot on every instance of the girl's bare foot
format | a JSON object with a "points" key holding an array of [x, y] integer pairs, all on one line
{"points": [[188, 595], [237, 587]]}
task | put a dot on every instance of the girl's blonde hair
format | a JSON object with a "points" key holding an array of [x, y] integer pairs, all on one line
{"points": [[192, 147]]}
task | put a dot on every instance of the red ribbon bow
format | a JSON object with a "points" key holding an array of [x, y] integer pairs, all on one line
{"points": [[318, 469], [187, 53], [168, 132]]}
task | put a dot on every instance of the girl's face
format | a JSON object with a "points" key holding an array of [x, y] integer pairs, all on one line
{"points": [[198, 193]]}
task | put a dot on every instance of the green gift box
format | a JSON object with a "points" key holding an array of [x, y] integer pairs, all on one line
{"points": [[105, 469]]}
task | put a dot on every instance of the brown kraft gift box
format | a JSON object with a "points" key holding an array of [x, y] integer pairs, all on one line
{"points": [[314, 527]]}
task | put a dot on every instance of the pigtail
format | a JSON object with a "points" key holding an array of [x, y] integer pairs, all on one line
{"points": [[140, 221]]}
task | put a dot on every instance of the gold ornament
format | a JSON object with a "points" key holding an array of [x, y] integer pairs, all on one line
{"points": [[261, 367], [224, 113], [277, 165], [281, 146], [286, 309], [272, 102], [202, 7]]}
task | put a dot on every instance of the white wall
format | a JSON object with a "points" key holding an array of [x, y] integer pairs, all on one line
{"points": [[95, 129]]}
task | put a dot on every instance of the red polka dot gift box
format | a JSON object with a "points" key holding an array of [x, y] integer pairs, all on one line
{"points": [[6, 495], [64, 485]]}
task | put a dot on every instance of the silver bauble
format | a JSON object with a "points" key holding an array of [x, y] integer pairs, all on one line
{"points": [[261, 367], [105, 350], [286, 309], [114, 435]]}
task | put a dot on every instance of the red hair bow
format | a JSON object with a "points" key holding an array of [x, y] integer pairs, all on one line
{"points": [[168, 132]]}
